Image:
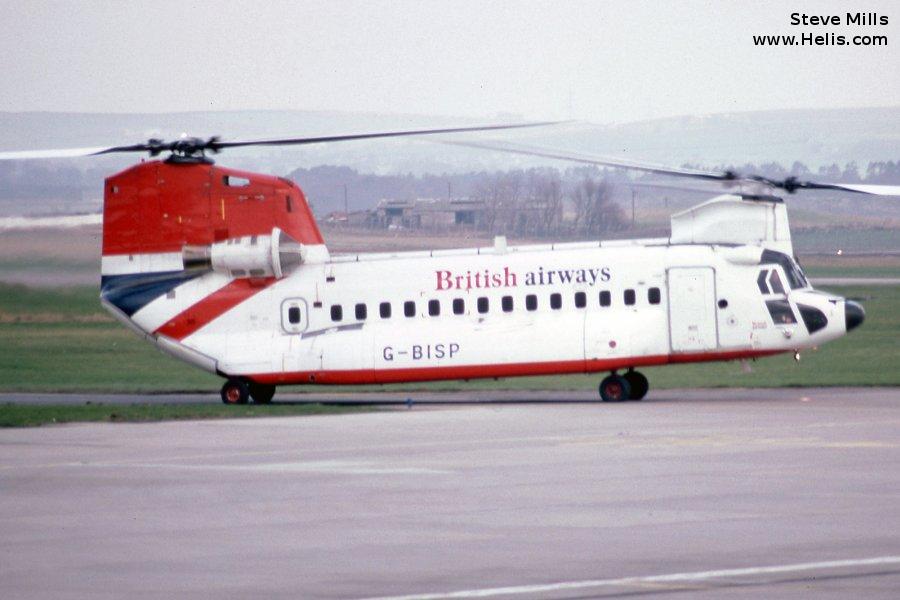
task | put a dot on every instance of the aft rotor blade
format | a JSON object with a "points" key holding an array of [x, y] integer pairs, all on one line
{"points": [[789, 184], [216, 145], [872, 189]]}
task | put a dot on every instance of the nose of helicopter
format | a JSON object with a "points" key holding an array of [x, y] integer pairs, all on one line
{"points": [[854, 314]]}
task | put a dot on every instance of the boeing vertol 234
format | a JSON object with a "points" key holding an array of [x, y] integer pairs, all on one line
{"points": [[228, 271]]}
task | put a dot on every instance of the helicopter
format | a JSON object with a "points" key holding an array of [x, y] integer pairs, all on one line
{"points": [[228, 271]]}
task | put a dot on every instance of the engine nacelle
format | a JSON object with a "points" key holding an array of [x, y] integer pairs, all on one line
{"points": [[249, 256]]}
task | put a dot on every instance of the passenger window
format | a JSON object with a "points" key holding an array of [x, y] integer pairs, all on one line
{"points": [[653, 295], [459, 306], [605, 298], [580, 300], [434, 307], [294, 318], [361, 312], [506, 303], [409, 308], [629, 297], [775, 280], [482, 305], [337, 312], [555, 301], [384, 309], [530, 302]]}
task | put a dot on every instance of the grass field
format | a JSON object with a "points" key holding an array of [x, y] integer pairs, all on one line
{"points": [[56, 340]]}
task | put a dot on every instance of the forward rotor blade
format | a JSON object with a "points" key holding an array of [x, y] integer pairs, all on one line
{"points": [[190, 145], [597, 160], [216, 145]]}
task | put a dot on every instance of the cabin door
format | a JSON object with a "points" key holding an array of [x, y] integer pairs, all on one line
{"points": [[692, 309]]}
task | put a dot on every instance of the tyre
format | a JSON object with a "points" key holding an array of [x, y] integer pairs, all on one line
{"points": [[639, 384], [235, 391], [261, 393], [615, 388]]}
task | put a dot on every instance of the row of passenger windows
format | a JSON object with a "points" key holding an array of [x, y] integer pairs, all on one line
{"points": [[482, 304]]}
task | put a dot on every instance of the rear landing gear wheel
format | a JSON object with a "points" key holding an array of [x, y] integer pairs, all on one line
{"points": [[235, 391], [615, 388], [639, 384], [261, 393]]}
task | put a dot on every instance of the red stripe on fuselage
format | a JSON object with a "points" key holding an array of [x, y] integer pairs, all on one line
{"points": [[212, 306], [369, 376]]}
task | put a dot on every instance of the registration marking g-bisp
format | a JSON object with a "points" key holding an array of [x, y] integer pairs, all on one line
{"points": [[691, 577]]}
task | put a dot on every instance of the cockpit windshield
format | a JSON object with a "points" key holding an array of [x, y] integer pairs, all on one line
{"points": [[793, 272]]}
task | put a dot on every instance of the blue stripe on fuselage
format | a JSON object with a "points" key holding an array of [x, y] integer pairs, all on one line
{"points": [[131, 292]]}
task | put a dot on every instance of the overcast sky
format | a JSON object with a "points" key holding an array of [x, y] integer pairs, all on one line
{"points": [[602, 61]]}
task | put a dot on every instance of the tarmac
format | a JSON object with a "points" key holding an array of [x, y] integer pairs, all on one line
{"points": [[691, 493]]}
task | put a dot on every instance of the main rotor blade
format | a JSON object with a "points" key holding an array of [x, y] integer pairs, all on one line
{"points": [[156, 147], [871, 189], [597, 160], [59, 153], [216, 145], [789, 184]]}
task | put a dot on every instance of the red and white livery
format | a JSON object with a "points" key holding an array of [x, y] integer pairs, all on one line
{"points": [[228, 271]]}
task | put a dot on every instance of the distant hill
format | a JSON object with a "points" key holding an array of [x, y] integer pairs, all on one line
{"points": [[813, 136]]}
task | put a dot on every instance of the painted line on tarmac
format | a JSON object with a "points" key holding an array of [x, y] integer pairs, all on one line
{"points": [[328, 467], [675, 578]]}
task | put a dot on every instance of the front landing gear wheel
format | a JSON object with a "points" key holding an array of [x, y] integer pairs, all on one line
{"points": [[235, 391], [261, 393], [639, 384], [615, 388]]}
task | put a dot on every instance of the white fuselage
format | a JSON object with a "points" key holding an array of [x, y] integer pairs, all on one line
{"points": [[494, 312]]}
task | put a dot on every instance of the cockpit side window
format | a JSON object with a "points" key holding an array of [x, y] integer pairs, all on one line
{"points": [[781, 312], [775, 280], [761, 282], [792, 270]]}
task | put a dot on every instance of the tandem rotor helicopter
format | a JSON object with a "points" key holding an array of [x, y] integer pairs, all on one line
{"points": [[227, 270]]}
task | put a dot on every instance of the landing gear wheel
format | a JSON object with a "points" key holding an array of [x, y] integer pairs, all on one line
{"points": [[639, 384], [235, 391], [261, 393], [615, 388]]}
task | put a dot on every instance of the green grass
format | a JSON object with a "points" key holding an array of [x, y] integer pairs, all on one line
{"points": [[46, 263], [832, 239], [20, 415], [94, 353], [886, 271]]}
